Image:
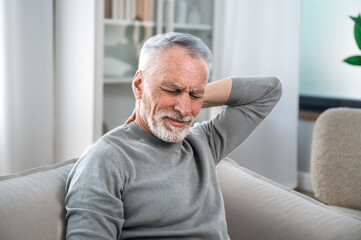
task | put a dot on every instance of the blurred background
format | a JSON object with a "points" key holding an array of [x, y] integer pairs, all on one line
{"points": [[66, 69]]}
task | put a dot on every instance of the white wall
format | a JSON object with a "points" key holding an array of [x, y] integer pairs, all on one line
{"points": [[26, 84], [327, 39], [78, 88], [305, 131], [262, 38]]}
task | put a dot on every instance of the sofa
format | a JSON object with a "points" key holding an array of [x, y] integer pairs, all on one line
{"points": [[32, 207]]}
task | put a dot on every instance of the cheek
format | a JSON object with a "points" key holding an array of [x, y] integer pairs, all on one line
{"points": [[149, 104], [165, 102], [196, 107], [160, 103]]}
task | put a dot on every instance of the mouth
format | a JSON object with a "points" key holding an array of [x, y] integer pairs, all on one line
{"points": [[176, 122]]}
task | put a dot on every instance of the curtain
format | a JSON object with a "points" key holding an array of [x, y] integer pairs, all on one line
{"points": [[50, 81], [261, 37], [26, 84]]}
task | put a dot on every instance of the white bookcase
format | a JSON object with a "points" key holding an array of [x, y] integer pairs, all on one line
{"points": [[127, 25]]}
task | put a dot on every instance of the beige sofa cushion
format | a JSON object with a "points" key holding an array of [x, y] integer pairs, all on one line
{"points": [[258, 208], [32, 203], [336, 157]]}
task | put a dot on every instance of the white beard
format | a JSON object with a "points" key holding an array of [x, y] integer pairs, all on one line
{"points": [[164, 131]]}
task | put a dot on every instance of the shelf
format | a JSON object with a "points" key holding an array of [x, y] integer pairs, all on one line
{"points": [[118, 22], [199, 27], [118, 80]]}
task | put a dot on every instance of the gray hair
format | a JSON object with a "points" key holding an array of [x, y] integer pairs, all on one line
{"points": [[154, 45]]}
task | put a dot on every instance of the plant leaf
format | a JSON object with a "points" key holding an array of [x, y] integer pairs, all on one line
{"points": [[357, 19], [357, 30], [354, 60], [357, 33]]}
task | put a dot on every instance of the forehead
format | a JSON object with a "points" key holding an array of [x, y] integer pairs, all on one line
{"points": [[175, 65]]}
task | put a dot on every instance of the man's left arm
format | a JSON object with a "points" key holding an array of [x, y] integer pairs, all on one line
{"points": [[248, 101]]}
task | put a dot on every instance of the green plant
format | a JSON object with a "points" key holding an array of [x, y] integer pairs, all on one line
{"points": [[356, 60]]}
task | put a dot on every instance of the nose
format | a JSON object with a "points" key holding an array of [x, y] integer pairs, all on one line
{"points": [[184, 104]]}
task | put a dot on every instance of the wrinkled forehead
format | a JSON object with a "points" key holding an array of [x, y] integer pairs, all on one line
{"points": [[176, 61]]}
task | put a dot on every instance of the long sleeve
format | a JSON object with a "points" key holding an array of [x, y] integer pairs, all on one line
{"points": [[94, 209], [250, 101]]}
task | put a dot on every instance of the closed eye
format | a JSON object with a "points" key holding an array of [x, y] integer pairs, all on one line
{"points": [[176, 91], [196, 96]]}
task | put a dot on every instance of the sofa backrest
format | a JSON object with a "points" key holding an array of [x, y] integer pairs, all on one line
{"points": [[259, 208], [32, 203]]}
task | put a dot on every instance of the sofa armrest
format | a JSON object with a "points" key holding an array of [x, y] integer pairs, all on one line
{"points": [[32, 203], [258, 208]]}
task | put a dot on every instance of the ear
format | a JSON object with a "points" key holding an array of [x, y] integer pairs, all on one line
{"points": [[138, 85]]}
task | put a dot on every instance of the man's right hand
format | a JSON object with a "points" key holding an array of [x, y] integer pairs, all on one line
{"points": [[131, 118]]}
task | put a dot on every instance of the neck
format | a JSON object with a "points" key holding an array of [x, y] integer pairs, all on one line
{"points": [[143, 124]]}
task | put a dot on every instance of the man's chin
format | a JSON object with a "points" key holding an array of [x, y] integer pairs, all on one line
{"points": [[169, 135]]}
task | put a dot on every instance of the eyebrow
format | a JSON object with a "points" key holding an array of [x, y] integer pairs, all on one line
{"points": [[176, 87], [173, 86]]}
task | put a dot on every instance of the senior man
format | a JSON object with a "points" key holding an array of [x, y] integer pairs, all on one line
{"points": [[154, 177]]}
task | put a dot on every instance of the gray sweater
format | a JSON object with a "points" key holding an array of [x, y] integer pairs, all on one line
{"points": [[132, 185]]}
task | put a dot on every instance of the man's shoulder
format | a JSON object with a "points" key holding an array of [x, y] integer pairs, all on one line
{"points": [[119, 131], [121, 136], [110, 144]]}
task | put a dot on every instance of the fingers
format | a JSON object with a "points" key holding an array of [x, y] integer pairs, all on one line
{"points": [[131, 118]]}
